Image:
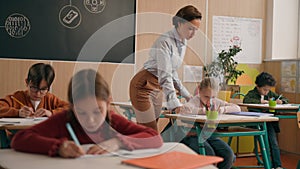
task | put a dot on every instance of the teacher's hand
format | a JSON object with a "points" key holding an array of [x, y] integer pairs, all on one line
{"points": [[178, 110], [189, 98]]}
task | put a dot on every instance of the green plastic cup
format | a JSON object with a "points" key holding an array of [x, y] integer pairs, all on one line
{"points": [[272, 104], [211, 117]]}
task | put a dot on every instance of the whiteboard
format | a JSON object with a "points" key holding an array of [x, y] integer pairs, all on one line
{"points": [[243, 32]]}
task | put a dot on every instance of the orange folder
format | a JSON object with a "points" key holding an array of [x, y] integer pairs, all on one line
{"points": [[174, 159]]}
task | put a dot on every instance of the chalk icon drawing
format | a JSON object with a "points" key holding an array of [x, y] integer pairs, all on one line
{"points": [[94, 6], [17, 25], [70, 16]]}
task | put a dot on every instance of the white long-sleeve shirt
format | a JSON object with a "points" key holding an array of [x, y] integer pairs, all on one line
{"points": [[166, 56], [194, 106]]}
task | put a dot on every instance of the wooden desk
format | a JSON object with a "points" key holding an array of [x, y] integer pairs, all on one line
{"points": [[283, 111], [129, 111], [14, 124], [200, 123], [16, 160], [287, 114]]}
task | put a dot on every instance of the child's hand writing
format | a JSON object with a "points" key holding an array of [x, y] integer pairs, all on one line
{"points": [[26, 111], [42, 112], [110, 145], [279, 101], [70, 150]]}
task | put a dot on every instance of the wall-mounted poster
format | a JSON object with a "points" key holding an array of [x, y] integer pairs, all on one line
{"points": [[288, 68], [289, 76], [288, 84], [236, 31]]}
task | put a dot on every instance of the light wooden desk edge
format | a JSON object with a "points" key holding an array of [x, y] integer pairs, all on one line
{"points": [[15, 160]]}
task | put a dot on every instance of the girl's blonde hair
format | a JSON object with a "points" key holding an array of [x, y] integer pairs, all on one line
{"points": [[209, 82]]}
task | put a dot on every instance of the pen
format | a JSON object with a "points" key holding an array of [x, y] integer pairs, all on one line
{"points": [[71, 131], [279, 97], [18, 101]]}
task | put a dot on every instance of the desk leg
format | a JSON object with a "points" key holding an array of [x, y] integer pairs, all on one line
{"points": [[263, 140], [200, 140], [256, 142], [266, 139]]}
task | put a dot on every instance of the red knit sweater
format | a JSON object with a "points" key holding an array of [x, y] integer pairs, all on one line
{"points": [[10, 108], [47, 136]]}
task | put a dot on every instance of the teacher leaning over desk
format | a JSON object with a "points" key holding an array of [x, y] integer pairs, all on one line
{"points": [[160, 70]]}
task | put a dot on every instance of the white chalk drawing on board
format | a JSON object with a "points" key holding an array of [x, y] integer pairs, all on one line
{"points": [[17, 25], [94, 6], [70, 16], [236, 31]]}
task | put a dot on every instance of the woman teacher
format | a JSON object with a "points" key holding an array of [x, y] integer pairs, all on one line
{"points": [[159, 74]]}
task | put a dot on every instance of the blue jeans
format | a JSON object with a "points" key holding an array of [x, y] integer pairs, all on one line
{"points": [[213, 146], [274, 148]]}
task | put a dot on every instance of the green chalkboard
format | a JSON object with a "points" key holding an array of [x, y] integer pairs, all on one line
{"points": [[73, 30]]}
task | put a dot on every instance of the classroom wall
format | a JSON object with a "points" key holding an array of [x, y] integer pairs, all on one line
{"points": [[149, 27], [119, 75]]}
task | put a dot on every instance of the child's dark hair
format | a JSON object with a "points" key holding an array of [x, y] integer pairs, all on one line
{"points": [[39, 72], [186, 14], [265, 79]]}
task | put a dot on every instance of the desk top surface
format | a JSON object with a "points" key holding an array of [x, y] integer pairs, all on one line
{"points": [[15, 160], [277, 107], [19, 123], [223, 118]]}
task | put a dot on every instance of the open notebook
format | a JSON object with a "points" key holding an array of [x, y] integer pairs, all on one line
{"points": [[174, 159], [258, 114]]}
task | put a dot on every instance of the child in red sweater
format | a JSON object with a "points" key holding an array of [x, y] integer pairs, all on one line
{"points": [[93, 123]]}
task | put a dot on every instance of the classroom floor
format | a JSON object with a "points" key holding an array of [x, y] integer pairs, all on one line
{"points": [[288, 160]]}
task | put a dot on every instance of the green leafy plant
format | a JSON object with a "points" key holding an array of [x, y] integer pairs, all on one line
{"points": [[224, 66]]}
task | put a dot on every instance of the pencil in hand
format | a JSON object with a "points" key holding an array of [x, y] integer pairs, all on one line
{"points": [[279, 97], [72, 133], [18, 101]]}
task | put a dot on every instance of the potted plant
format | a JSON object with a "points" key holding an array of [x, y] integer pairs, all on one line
{"points": [[224, 67]]}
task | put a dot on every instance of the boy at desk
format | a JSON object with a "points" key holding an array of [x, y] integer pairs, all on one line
{"points": [[92, 120], [261, 94], [199, 104], [36, 101]]}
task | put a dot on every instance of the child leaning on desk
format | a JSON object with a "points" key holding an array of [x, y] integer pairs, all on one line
{"points": [[92, 120], [36, 101], [262, 94], [199, 104]]}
